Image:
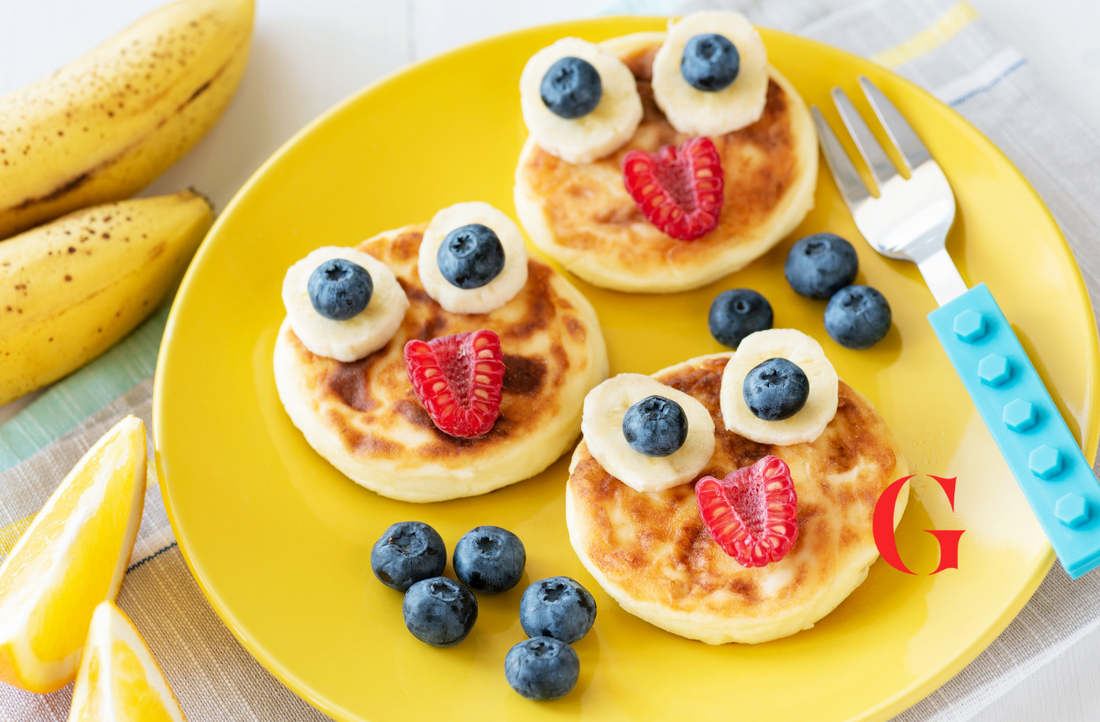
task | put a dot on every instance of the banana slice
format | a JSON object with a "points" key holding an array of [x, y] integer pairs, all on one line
{"points": [[591, 136], [700, 112], [498, 291], [602, 426], [356, 337], [797, 347]]}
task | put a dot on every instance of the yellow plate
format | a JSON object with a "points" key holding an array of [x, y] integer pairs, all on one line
{"points": [[280, 541]]}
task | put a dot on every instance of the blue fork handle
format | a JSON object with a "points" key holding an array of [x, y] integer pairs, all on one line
{"points": [[1048, 465]]}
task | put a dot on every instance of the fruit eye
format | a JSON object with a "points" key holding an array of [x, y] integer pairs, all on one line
{"points": [[655, 426], [776, 389], [579, 101], [647, 435], [710, 62], [343, 303], [571, 88], [768, 398], [340, 289], [711, 76], [472, 258]]}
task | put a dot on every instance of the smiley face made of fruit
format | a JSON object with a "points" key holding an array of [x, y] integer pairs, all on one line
{"points": [[659, 162], [438, 360], [730, 498]]}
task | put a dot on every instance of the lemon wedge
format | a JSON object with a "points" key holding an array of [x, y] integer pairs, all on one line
{"points": [[119, 680], [72, 557]]}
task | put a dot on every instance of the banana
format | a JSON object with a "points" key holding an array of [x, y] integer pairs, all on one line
{"points": [[71, 288], [698, 112], [358, 336], [103, 127], [498, 291], [800, 349], [602, 427], [591, 136]]}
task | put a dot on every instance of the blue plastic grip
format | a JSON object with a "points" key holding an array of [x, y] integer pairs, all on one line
{"points": [[1041, 452]]}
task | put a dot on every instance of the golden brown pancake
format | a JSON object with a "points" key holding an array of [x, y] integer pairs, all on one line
{"points": [[365, 419], [582, 216], [653, 554]]}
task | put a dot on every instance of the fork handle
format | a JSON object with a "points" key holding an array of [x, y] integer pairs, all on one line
{"points": [[1054, 475]]}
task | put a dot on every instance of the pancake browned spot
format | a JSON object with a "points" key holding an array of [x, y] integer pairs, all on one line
{"points": [[523, 375], [653, 553]]}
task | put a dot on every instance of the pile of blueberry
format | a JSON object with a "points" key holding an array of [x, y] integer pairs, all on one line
{"points": [[411, 556], [822, 267]]}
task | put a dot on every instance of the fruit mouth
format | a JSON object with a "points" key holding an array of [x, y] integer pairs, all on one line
{"points": [[458, 380], [679, 189], [752, 514]]}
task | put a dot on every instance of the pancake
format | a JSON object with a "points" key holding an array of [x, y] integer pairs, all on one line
{"points": [[582, 216], [653, 554], [365, 419]]}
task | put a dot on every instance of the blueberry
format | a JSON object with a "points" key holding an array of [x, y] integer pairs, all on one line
{"points": [[571, 88], [776, 389], [710, 62], [736, 313], [439, 611], [406, 553], [542, 668], [339, 289], [557, 607], [857, 317], [489, 559], [820, 265], [655, 426], [470, 256]]}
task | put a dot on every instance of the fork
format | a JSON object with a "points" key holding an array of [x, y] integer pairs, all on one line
{"points": [[909, 220]]}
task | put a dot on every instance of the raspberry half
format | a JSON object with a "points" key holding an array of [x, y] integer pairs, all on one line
{"points": [[679, 188], [752, 513], [458, 380]]}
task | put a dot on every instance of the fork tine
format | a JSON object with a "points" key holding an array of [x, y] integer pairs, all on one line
{"points": [[905, 138], [845, 174], [881, 168]]}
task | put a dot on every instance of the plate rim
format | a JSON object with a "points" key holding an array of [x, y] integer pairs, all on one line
{"points": [[889, 707]]}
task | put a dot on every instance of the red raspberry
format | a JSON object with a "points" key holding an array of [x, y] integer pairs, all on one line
{"points": [[678, 188], [752, 513], [458, 380]]}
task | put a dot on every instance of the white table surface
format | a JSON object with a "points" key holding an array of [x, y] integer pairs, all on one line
{"points": [[309, 54]]}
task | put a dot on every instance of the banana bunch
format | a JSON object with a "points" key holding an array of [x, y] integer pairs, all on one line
{"points": [[71, 289], [94, 132], [103, 127]]}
